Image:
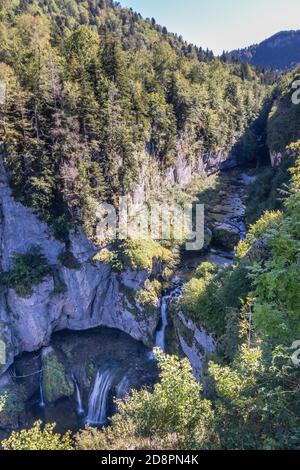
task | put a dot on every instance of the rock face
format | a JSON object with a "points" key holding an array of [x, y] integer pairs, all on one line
{"points": [[195, 344], [93, 295], [55, 383], [152, 180], [276, 158]]}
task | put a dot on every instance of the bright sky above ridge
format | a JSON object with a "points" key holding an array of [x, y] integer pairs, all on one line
{"points": [[221, 24]]}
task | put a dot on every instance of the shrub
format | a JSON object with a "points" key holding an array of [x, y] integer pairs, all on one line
{"points": [[38, 438], [149, 297], [266, 222], [27, 270], [276, 282], [268, 190], [173, 412], [208, 299], [60, 228], [11, 406], [139, 254], [107, 256]]}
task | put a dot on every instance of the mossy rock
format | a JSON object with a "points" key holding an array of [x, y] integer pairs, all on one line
{"points": [[207, 238], [56, 385], [12, 407]]}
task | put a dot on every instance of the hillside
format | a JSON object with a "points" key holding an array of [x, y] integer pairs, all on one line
{"points": [[94, 92], [151, 344], [280, 52]]}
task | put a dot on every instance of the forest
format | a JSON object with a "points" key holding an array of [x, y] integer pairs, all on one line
{"points": [[92, 93]]}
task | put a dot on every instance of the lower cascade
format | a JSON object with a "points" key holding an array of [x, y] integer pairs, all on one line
{"points": [[123, 388], [98, 401], [80, 409], [42, 403], [160, 341]]}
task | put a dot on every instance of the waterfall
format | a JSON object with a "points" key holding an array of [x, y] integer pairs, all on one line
{"points": [[42, 401], [160, 335], [160, 338], [80, 409], [98, 401], [122, 388]]}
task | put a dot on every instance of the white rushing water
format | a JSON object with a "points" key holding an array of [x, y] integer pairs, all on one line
{"points": [[80, 409], [160, 339], [122, 388], [98, 401], [42, 401]]}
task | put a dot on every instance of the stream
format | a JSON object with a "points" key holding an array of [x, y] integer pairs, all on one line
{"points": [[104, 364], [229, 210]]}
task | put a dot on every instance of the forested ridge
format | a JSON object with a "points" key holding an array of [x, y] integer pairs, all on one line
{"points": [[90, 89]]}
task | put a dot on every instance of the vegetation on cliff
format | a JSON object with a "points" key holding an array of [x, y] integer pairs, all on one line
{"points": [[90, 86]]}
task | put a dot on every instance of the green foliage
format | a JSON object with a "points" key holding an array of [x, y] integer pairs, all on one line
{"points": [[61, 227], [11, 406], [140, 254], [269, 189], [265, 223], [210, 296], [256, 401], [173, 413], [109, 257], [39, 437], [149, 297], [283, 127], [27, 270], [90, 87], [277, 306]]}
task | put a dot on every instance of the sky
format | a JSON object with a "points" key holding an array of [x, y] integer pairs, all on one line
{"points": [[221, 24]]}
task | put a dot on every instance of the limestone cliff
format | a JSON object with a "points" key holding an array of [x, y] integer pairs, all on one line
{"points": [[93, 295]]}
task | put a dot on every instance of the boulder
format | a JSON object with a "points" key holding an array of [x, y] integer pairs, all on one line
{"points": [[55, 382], [12, 408], [226, 235]]}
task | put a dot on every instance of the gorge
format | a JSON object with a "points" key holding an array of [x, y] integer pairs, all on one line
{"points": [[138, 343], [92, 397]]}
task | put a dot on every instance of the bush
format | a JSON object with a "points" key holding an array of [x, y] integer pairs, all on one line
{"points": [[60, 228], [276, 282], [107, 256], [268, 190], [149, 297], [27, 270], [173, 414], [208, 299], [139, 254], [38, 438], [11, 407], [257, 230]]}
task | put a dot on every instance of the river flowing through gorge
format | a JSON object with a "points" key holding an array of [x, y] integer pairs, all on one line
{"points": [[84, 372]]}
